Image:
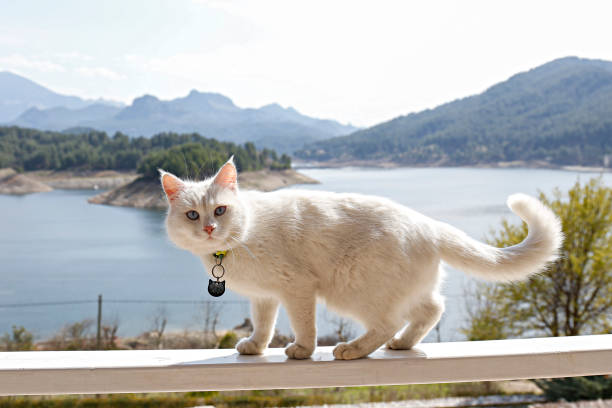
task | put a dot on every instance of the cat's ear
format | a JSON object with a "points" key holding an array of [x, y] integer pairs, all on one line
{"points": [[171, 184], [227, 176]]}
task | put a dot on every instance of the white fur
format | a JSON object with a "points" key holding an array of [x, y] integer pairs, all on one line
{"points": [[366, 257]]}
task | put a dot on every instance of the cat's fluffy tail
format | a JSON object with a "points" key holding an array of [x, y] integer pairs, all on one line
{"points": [[512, 263]]}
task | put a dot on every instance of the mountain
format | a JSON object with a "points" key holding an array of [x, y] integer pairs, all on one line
{"points": [[58, 118], [559, 113], [18, 94], [210, 114]]}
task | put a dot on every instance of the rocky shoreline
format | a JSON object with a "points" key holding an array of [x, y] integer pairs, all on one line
{"points": [[142, 193], [385, 164], [83, 180], [127, 189], [14, 183]]}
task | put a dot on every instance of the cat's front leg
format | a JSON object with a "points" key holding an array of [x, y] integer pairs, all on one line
{"points": [[301, 310], [263, 312]]}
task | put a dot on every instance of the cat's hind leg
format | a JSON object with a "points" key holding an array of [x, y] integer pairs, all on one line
{"points": [[422, 319], [264, 313], [363, 345]]}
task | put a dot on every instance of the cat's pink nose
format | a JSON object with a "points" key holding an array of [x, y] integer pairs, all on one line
{"points": [[209, 229]]}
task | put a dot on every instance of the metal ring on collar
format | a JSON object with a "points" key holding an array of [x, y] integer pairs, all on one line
{"points": [[212, 272]]}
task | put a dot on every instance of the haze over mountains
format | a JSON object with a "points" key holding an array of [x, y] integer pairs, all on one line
{"points": [[559, 113], [17, 94], [27, 104]]}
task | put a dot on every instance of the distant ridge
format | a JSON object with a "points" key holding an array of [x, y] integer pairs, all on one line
{"points": [[18, 94], [57, 118], [27, 104], [559, 113]]}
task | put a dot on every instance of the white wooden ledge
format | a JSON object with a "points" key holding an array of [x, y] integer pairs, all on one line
{"points": [[83, 372]]}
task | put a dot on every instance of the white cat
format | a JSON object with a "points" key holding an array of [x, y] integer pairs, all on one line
{"points": [[366, 257]]}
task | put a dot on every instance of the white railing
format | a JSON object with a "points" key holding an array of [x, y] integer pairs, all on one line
{"points": [[86, 372]]}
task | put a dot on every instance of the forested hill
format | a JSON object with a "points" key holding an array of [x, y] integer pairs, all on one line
{"points": [[186, 155], [559, 113]]}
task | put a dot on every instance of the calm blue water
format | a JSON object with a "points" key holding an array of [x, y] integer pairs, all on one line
{"points": [[55, 246]]}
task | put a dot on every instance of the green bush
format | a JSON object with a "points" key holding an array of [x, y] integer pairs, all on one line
{"points": [[110, 401], [19, 340], [572, 296], [577, 388], [229, 340]]}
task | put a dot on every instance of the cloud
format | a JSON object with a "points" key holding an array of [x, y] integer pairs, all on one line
{"points": [[100, 72], [73, 56], [18, 61]]}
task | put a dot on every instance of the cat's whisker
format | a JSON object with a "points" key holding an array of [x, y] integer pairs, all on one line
{"points": [[231, 247], [244, 246], [237, 253]]}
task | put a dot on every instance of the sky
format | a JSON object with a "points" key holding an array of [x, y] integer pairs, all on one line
{"points": [[358, 62]]}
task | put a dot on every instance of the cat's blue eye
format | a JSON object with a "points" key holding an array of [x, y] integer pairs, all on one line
{"points": [[192, 215], [220, 210]]}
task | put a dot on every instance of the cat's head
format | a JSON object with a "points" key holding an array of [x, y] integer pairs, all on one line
{"points": [[205, 216]]}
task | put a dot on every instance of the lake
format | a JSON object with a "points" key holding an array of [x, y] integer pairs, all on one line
{"points": [[56, 247]]}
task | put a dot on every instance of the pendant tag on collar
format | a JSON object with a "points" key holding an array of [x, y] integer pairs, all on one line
{"points": [[217, 288]]}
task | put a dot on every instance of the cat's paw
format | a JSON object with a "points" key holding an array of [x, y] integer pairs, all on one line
{"points": [[298, 352], [347, 351], [248, 346], [400, 344]]}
